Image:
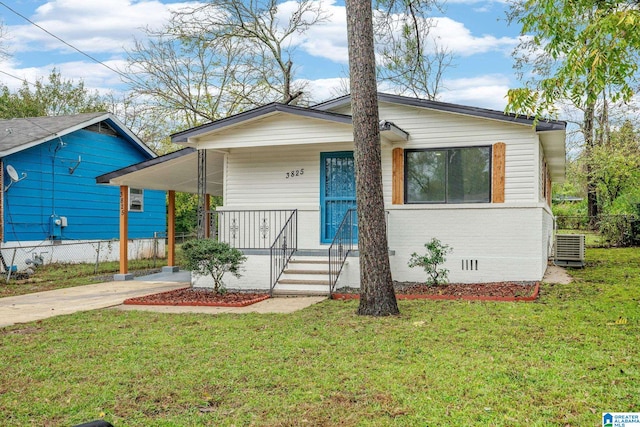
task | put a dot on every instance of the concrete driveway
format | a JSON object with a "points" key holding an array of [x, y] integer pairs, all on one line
{"points": [[41, 305]]}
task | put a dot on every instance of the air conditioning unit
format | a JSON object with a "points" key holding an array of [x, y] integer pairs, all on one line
{"points": [[569, 250]]}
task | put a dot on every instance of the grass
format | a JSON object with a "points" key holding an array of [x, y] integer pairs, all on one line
{"points": [[592, 239], [560, 361], [65, 275]]}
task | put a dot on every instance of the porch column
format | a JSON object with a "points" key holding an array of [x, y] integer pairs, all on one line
{"points": [[124, 235], [207, 216], [171, 233]]}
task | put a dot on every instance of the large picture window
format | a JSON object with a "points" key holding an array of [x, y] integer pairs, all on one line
{"points": [[451, 175]]}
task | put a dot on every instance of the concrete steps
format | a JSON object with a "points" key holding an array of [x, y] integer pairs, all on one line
{"points": [[305, 275]]}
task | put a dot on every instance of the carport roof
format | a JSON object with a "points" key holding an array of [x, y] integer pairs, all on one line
{"points": [[174, 171]]}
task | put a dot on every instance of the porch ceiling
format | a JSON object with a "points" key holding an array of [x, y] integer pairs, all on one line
{"points": [[553, 143], [175, 171]]}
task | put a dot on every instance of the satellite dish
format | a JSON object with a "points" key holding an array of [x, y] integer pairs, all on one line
{"points": [[13, 175], [11, 171]]}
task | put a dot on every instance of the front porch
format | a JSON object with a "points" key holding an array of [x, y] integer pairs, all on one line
{"points": [[276, 261]]}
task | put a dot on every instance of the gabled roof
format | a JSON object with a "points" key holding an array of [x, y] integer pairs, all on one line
{"points": [[542, 125], [20, 134], [259, 112], [393, 131]]}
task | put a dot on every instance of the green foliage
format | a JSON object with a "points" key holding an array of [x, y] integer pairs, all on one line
{"points": [[430, 261], [52, 98], [581, 48], [616, 165], [208, 256], [187, 211]]}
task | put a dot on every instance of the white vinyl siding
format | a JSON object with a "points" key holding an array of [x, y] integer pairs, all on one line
{"points": [[257, 177], [434, 129], [281, 129]]}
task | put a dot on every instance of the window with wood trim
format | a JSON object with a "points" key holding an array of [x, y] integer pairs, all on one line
{"points": [[449, 175]]}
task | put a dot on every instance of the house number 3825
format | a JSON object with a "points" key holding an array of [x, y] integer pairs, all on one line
{"points": [[294, 173]]}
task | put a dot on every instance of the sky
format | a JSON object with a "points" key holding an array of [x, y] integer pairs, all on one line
{"points": [[475, 31]]}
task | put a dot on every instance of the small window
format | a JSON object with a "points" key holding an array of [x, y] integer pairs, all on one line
{"points": [[453, 175], [136, 200]]}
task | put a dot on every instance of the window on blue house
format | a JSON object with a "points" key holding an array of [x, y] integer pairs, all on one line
{"points": [[136, 200], [451, 175]]}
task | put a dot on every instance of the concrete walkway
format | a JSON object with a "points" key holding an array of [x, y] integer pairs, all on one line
{"points": [[42, 305]]}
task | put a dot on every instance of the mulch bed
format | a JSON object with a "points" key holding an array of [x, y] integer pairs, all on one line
{"points": [[199, 297], [496, 291]]}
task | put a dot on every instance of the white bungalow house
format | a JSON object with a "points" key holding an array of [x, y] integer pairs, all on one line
{"points": [[478, 180]]}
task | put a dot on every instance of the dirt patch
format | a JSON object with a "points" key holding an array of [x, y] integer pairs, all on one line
{"points": [[496, 291], [199, 297]]}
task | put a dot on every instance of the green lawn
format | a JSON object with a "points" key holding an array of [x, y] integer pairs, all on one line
{"points": [[560, 361]]}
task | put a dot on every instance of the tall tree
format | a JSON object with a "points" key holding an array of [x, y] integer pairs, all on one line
{"points": [[222, 57], [4, 52], [585, 51], [410, 58], [55, 97], [377, 297]]}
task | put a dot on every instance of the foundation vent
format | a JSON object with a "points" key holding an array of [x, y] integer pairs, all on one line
{"points": [[470, 264]]}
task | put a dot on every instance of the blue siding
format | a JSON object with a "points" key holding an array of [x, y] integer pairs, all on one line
{"points": [[92, 210]]}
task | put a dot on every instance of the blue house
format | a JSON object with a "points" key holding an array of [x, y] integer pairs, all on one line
{"points": [[48, 184]]}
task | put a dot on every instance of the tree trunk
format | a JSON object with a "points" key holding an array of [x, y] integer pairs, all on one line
{"points": [[589, 142], [377, 297]]}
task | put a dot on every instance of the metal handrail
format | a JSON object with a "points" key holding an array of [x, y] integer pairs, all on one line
{"points": [[246, 228], [340, 247], [282, 248]]}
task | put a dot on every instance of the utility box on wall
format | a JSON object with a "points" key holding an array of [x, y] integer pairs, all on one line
{"points": [[56, 227]]}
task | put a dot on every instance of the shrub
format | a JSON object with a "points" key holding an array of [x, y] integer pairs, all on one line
{"points": [[436, 255], [208, 256]]}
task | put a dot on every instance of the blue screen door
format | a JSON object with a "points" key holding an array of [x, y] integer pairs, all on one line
{"points": [[337, 191]]}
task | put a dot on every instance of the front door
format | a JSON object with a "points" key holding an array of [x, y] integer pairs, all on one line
{"points": [[337, 191]]}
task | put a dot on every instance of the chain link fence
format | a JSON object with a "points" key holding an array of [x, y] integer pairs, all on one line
{"points": [[101, 256], [603, 230]]}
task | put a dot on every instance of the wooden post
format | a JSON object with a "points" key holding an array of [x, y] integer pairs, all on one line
{"points": [[124, 228], [397, 177], [499, 154], [171, 229]]}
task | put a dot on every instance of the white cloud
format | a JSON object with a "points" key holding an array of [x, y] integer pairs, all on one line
{"points": [[488, 91], [94, 76], [328, 39], [458, 38], [91, 26], [323, 89]]}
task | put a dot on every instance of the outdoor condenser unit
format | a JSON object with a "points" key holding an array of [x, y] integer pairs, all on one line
{"points": [[569, 250]]}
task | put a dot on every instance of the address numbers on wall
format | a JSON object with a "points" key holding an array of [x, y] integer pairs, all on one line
{"points": [[294, 173]]}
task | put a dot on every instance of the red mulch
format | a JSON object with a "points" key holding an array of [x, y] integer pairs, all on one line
{"points": [[199, 297], [496, 291]]}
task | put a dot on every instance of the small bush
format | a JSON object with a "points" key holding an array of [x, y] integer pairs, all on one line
{"points": [[208, 256], [436, 255]]}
